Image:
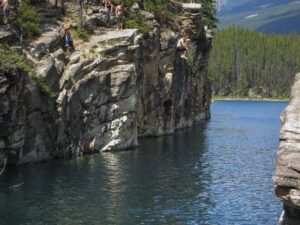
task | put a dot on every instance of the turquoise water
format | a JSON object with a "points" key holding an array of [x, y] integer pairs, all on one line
{"points": [[216, 172]]}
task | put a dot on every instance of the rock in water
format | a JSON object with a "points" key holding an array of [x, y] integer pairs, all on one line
{"points": [[287, 175]]}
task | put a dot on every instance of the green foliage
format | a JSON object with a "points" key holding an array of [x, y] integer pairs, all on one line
{"points": [[10, 58], [103, 54], [189, 57], [92, 50], [209, 13], [138, 22], [160, 8], [164, 14], [26, 20], [248, 63], [112, 41], [81, 33], [42, 86]]}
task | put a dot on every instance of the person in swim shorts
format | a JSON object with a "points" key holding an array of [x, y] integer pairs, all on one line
{"points": [[120, 16], [182, 46]]}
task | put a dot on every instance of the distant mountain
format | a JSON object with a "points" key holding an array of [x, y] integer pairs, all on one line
{"points": [[271, 16]]}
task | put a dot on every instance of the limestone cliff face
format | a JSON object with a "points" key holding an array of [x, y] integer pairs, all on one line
{"points": [[26, 135], [117, 87], [287, 176], [174, 92]]}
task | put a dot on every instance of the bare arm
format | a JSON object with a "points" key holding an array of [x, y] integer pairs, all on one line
{"points": [[62, 33], [185, 45]]}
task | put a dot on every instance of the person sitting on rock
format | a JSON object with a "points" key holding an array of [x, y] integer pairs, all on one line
{"points": [[67, 38], [6, 10], [120, 16], [182, 46]]}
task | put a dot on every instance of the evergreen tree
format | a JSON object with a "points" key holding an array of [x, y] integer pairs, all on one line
{"points": [[244, 62]]}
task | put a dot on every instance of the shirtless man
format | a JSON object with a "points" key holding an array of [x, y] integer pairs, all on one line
{"points": [[6, 10], [120, 16], [182, 46]]}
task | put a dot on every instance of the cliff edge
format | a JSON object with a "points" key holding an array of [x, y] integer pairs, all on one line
{"points": [[116, 87], [287, 175]]}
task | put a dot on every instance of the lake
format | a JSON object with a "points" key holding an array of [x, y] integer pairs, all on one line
{"points": [[216, 172]]}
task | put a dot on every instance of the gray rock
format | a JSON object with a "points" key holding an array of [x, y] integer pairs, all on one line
{"points": [[7, 36], [138, 87], [60, 66], [96, 20], [47, 70], [2, 144], [39, 51], [287, 175], [75, 59], [59, 54], [51, 38], [16, 48]]}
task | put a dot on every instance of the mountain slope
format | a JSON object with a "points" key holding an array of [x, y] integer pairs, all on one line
{"points": [[276, 16]]}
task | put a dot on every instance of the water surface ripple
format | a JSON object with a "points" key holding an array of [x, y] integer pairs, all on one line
{"points": [[216, 172]]}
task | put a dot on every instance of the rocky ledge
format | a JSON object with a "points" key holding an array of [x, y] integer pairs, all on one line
{"points": [[287, 176], [118, 86]]}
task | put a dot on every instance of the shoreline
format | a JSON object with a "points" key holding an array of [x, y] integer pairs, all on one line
{"points": [[235, 98]]}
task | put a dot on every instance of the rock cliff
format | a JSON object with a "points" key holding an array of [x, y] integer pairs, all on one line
{"points": [[287, 176], [118, 86]]}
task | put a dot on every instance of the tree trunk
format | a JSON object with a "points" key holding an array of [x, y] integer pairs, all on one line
{"points": [[62, 2], [80, 12]]}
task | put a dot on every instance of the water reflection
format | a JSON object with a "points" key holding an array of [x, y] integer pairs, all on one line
{"points": [[218, 172]]}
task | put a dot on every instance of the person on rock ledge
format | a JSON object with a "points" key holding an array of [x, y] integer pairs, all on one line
{"points": [[67, 38], [109, 6], [182, 46], [6, 10], [120, 16]]}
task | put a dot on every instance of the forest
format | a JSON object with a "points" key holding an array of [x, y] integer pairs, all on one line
{"points": [[246, 63]]}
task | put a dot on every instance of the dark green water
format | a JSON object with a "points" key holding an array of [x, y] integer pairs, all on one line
{"points": [[217, 172]]}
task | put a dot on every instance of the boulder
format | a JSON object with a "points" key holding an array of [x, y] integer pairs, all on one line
{"points": [[75, 59], [48, 71], [39, 51], [7, 36]]}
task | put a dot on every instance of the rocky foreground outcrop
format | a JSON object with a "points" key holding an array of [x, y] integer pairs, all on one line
{"points": [[118, 86], [287, 176]]}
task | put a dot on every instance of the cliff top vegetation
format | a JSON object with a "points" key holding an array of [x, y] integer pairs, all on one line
{"points": [[26, 16]]}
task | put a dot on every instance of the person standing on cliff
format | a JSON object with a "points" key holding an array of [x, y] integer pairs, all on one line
{"points": [[182, 46], [6, 10], [109, 6], [120, 16]]}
